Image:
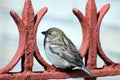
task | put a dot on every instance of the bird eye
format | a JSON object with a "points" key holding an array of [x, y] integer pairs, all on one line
{"points": [[49, 33]]}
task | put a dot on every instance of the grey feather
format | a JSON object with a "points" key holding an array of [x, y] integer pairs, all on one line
{"points": [[87, 71]]}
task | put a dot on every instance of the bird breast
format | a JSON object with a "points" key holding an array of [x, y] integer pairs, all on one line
{"points": [[55, 59]]}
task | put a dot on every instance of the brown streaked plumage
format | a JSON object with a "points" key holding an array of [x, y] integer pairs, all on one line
{"points": [[61, 52]]}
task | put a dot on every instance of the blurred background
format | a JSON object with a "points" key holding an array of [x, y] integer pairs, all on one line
{"points": [[59, 15]]}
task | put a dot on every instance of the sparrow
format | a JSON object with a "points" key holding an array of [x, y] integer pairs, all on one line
{"points": [[61, 52]]}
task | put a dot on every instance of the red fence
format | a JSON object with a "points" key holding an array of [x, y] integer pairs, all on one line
{"points": [[28, 49]]}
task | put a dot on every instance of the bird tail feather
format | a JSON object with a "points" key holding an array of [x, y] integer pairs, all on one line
{"points": [[87, 71]]}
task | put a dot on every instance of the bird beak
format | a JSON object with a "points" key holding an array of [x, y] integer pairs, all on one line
{"points": [[44, 32]]}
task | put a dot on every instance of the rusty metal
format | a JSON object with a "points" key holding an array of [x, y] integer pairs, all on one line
{"points": [[28, 48]]}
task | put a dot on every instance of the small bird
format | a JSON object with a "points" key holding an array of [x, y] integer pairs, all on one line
{"points": [[61, 52]]}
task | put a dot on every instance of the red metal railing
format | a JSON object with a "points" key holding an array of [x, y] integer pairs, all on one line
{"points": [[28, 49]]}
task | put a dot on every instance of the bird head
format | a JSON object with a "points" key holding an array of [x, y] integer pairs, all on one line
{"points": [[52, 33]]}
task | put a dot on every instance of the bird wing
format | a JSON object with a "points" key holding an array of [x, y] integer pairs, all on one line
{"points": [[67, 50]]}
